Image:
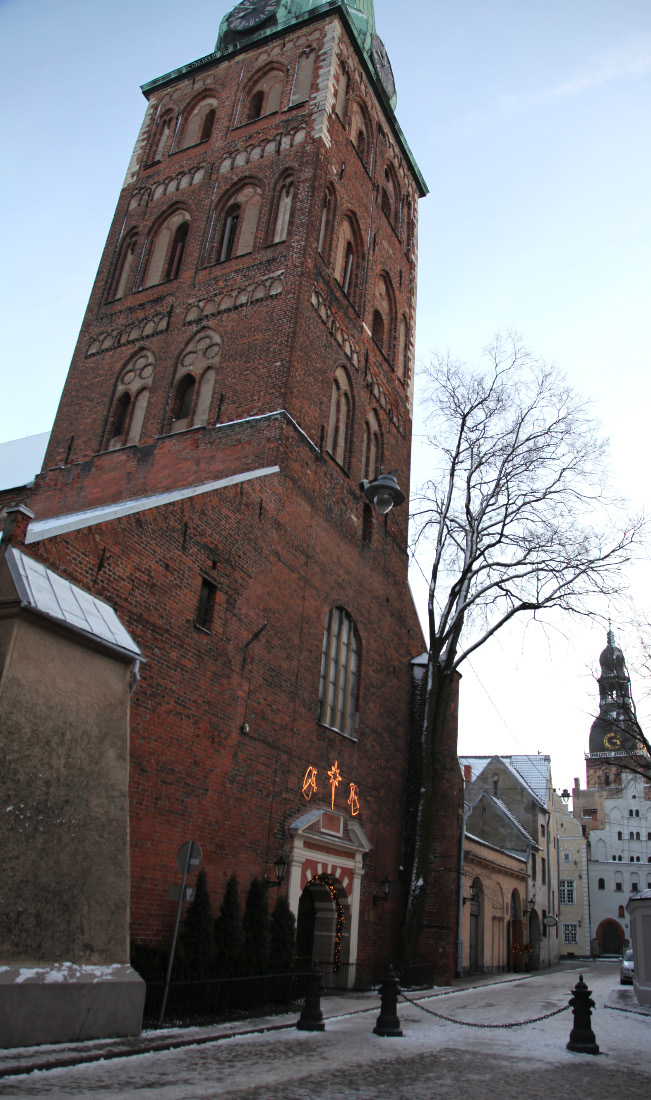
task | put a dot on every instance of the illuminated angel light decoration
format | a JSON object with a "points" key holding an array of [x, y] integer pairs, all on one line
{"points": [[335, 780], [353, 800], [309, 783], [327, 881]]}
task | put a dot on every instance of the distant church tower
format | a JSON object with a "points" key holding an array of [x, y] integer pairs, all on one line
{"points": [[613, 732], [246, 360]]}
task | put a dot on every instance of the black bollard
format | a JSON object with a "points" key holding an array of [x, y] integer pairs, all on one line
{"points": [[311, 1018], [582, 1037], [388, 1022]]}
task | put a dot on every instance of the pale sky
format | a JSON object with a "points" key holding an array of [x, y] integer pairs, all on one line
{"points": [[530, 122]]}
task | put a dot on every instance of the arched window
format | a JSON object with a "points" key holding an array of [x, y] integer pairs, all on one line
{"points": [[327, 218], [231, 219], [200, 123], [130, 402], [263, 96], [120, 415], [194, 381], [383, 322], [360, 132], [255, 105], [124, 268], [339, 669], [303, 80], [341, 415], [160, 140], [167, 249], [342, 93], [619, 835], [401, 363], [377, 328], [371, 448], [283, 210], [177, 250], [348, 264], [235, 229], [183, 403], [389, 196]]}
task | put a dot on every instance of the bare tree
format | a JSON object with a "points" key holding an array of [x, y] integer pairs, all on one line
{"points": [[518, 519]]}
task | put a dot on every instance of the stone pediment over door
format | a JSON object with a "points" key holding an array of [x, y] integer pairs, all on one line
{"points": [[325, 842]]}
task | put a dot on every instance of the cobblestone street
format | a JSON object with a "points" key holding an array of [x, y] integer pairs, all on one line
{"points": [[433, 1059]]}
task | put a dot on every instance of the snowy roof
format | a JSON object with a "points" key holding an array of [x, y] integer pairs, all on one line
{"points": [[514, 821], [535, 770], [495, 847], [48, 594], [531, 772], [21, 459]]}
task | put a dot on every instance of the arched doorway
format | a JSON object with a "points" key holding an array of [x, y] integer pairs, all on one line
{"points": [[610, 936], [322, 927], [476, 927]]}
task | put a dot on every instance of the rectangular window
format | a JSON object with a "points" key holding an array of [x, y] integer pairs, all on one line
{"points": [[542, 830], [570, 933], [206, 605], [618, 887], [567, 856], [566, 894], [533, 866], [543, 870]]}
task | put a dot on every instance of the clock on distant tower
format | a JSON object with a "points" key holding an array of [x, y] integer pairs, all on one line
{"points": [[249, 13], [613, 741]]}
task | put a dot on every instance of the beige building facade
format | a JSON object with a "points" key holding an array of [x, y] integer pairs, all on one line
{"points": [[573, 884], [495, 884]]}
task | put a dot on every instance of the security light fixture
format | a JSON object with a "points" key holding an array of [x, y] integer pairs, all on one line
{"points": [[383, 492]]}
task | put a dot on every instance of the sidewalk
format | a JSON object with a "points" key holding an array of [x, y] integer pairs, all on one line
{"points": [[21, 1060]]}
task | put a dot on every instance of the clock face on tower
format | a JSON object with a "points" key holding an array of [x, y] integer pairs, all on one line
{"points": [[383, 65], [613, 741], [249, 13]]}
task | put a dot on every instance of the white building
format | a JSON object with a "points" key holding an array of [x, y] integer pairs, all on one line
{"points": [[615, 808]]}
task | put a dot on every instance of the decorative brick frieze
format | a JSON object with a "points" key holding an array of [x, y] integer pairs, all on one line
{"points": [[131, 333]]}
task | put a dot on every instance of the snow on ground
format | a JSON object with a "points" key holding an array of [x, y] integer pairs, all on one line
{"points": [[434, 1059]]}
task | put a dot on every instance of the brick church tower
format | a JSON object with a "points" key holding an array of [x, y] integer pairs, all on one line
{"points": [[246, 359]]}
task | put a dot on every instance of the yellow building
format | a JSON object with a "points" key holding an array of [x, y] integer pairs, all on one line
{"points": [[494, 902]]}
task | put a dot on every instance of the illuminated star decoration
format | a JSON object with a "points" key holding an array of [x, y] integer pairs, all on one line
{"points": [[309, 783], [353, 800], [335, 779]]}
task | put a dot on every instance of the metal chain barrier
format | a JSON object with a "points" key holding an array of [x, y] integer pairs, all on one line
{"points": [[466, 1023]]}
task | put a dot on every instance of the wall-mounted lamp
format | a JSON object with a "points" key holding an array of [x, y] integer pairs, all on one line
{"points": [[280, 868], [383, 492], [386, 890]]}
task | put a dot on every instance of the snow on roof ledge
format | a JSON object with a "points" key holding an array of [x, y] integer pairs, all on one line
{"points": [[46, 593], [74, 521]]}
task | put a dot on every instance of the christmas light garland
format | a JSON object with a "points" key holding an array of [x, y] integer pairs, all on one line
{"points": [[327, 881]]}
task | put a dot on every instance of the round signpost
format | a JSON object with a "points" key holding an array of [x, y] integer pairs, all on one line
{"points": [[193, 850], [188, 859]]}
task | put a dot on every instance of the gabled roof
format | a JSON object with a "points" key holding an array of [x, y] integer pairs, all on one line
{"points": [[46, 593], [530, 772], [514, 821]]}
